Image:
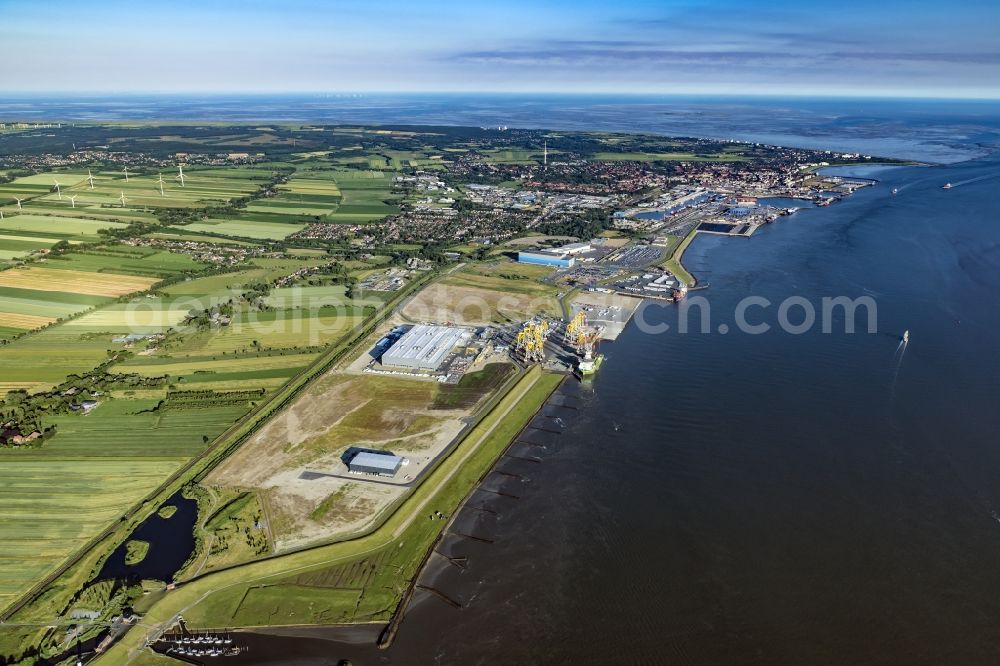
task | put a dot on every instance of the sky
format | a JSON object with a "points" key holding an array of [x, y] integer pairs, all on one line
{"points": [[906, 48]]}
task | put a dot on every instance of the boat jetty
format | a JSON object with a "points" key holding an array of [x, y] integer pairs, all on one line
{"points": [[187, 646]]}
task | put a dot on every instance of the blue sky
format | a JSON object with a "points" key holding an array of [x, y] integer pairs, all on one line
{"points": [[875, 47]]}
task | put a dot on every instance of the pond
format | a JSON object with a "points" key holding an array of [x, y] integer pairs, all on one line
{"points": [[171, 542]]}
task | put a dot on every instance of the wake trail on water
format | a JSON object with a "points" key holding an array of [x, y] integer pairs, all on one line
{"points": [[974, 180], [898, 357]]}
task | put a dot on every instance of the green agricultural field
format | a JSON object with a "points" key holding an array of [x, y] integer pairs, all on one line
{"points": [[514, 156], [60, 228], [273, 329], [198, 238], [314, 194], [141, 316], [212, 289], [43, 359], [53, 499], [343, 195], [51, 505], [126, 260], [223, 286], [28, 309], [47, 303], [64, 209], [28, 188], [244, 228], [202, 187], [365, 193], [15, 247], [109, 431], [159, 367], [65, 275]]}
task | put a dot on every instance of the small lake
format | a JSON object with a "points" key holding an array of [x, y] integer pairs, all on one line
{"points": [[171, 542]]}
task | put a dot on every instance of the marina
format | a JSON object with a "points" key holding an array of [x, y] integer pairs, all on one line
{"points": [[196, 646]]}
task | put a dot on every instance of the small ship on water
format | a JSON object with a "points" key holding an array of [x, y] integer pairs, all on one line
{"points": [[199, 645]]}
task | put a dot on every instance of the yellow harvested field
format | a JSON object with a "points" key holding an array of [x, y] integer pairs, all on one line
{"points": [[228, 364], [25, 321], [137, 318], [7, 387], [75, 282]]}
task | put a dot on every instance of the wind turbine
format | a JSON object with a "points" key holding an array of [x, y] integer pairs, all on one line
{"points": [[180, 174], [160, 181], [126, 173], [122, 198], [72, 200], [58, 191], [90, 177], [18, 203]]}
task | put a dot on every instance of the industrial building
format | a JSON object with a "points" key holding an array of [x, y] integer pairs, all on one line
{"points": [[367, 462], [425, 347], [576, 248], [546, 258]]}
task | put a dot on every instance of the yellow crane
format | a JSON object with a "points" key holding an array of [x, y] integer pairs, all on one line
{"points": [[530, 341], [574, 327]]}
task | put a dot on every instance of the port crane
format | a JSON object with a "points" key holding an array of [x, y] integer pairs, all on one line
{"points": [[530, 341], [574, 329]]}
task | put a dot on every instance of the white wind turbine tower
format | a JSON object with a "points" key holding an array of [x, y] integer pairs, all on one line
{"points": [[545, 155], [122, 198], [72, 200], [90, 177], [160, 181], [126, 173], [180, 174], [58, 191], [18, 202]]}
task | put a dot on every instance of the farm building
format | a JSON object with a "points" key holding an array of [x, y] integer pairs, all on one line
{"points": [[545, 258], [366, 462], [425, 347]]}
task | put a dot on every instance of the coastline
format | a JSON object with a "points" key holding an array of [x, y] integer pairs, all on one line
{"points": [[163, 614], [388, 634], [680, 249]]}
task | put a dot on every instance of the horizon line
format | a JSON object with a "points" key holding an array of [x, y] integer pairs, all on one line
{"points": [[571, 93]]}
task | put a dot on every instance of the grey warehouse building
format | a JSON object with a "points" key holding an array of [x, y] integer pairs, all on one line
{"points": [[383, 464], [425, 347]]}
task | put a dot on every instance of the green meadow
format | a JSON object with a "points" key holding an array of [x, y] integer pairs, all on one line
{"points": [[244, 228], [104, 460]]}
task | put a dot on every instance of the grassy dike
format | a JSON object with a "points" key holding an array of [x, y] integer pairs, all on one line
{"points": [[291, 583], [673, 263], [49, 598]]}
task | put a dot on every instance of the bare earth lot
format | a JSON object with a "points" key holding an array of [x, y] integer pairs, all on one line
{"points": [[295, 460], [486, 293]]}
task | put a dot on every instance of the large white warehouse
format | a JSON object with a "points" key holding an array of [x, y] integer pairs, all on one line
{"points": [[425, 347]]}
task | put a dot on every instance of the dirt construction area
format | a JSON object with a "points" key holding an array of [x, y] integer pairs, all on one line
{"points": [[294, 461], [479, 294]]}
